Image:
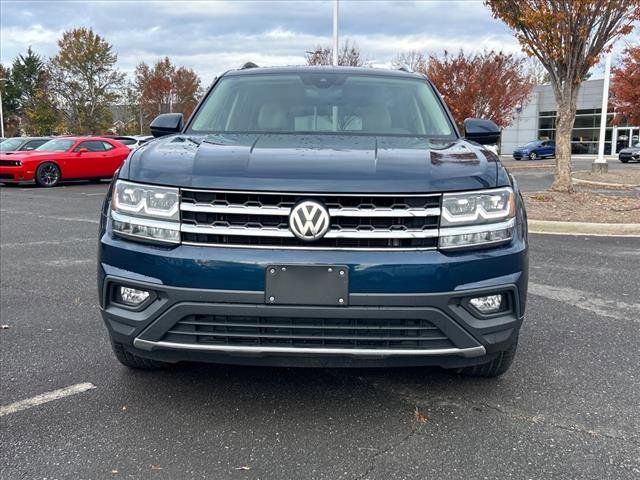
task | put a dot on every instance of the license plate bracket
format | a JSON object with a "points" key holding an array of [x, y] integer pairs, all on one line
{"points": [[326, 285]]}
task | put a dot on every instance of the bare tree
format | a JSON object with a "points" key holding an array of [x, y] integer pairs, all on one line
{"points": [[413, 60], [348, 55]]}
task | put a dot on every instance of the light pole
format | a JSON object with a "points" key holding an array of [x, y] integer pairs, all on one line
{"points": [[335, 33], [600, 164], [334, 109], [1, 113]]}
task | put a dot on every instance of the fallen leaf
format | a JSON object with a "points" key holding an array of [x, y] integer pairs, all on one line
{"points": [[244, 467], [124, 407], [114, 471], [420, 418], [155, 467]]}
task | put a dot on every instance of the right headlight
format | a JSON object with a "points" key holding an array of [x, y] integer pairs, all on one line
{"points": [[146, 212], [483, 217]]}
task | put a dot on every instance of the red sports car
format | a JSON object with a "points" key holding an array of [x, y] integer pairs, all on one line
{"points": [[64, 158]]}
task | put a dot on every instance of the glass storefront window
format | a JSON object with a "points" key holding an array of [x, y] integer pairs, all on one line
{"points": [[586, 130]]}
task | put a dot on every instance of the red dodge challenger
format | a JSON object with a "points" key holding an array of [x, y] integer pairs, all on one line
{"points": [[63, 159]]}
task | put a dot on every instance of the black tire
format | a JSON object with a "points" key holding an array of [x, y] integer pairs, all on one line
{"points": [[134, 361], [95, 180], [495, 367], [48, 175], [533, 156], [624, 161]]}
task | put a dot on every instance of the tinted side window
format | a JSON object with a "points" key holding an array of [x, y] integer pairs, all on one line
{"points": [[33, 144], [92, 146], [107, 146]]}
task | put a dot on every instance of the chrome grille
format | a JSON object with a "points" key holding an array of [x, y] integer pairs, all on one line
{"points": [[262, 219]]}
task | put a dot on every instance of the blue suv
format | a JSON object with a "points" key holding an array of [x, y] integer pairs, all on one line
{"points": [[315, 217]]}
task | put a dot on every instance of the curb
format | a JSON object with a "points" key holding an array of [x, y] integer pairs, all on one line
{"points": [[603, 184], [584, 228], [521, 168]]}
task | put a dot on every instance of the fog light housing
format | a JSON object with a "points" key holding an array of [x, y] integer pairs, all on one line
{"points": [[488, 304], [131, 296]]}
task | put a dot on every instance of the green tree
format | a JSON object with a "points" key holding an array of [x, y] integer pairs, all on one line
{"points": [[85, 80], [9, 102], [42, 117], [33, 104]]}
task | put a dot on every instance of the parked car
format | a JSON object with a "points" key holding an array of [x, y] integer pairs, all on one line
{"points": [[22, 144], [64, 158], [315, 216], [631, 154], [535, 150], [579, 148], [133, 141]]}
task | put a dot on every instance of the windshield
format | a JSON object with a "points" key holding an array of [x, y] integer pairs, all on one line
{"points": [[57, 145], [532, 145], [319, 102], [11, 144]]}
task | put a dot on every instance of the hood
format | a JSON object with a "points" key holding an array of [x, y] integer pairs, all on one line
{"points": [[25, 155], [630, 150], [314, 163]]}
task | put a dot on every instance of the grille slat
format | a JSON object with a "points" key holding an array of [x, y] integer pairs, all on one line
{"points": [[299, 337], [296, 326], [308, 332], [261, 219]]}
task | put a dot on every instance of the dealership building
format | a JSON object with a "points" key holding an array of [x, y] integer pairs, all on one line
{"points": [[536, 121]]}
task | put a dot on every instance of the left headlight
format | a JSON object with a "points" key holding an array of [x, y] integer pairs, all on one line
{"points": [[146, 212], [483, 217]]}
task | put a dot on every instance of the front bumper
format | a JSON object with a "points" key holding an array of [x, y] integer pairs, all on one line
{"points": [[412, 286], [16, 174]]}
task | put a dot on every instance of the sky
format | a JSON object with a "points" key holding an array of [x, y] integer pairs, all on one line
{"points": [[214, 36]]}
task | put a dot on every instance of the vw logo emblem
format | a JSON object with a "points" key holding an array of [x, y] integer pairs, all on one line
{"points": [[309, 220]]}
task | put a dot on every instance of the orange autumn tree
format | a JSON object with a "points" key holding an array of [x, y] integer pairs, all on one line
{"points": [[462, 80], [568, 38], [165, 88], [625, 87]]}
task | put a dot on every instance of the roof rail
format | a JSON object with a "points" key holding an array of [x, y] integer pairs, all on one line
{"points": [[248, 65]]}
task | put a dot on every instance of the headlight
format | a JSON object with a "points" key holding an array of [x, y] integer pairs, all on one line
{"points": [[483, 217], [146, 212]]}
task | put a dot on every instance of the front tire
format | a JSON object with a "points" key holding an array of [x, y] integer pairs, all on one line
{"points": [[495, 367], [624, 161], [533, 156], [134, 361], [48, 175]]}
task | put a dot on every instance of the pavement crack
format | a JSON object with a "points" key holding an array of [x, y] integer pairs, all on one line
{"points": [[389, 448]]}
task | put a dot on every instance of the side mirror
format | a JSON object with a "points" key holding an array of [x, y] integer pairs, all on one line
{"points": [[83, 150], [484, 132], [166, 124]]}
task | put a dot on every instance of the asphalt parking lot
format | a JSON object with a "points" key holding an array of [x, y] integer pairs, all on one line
{"points": [[568, 408], [532, 178]]}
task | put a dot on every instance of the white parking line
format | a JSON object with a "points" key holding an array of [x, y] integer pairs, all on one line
{"points": [[46, 242], [45, 397], [588, 301], [53, 217]]}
